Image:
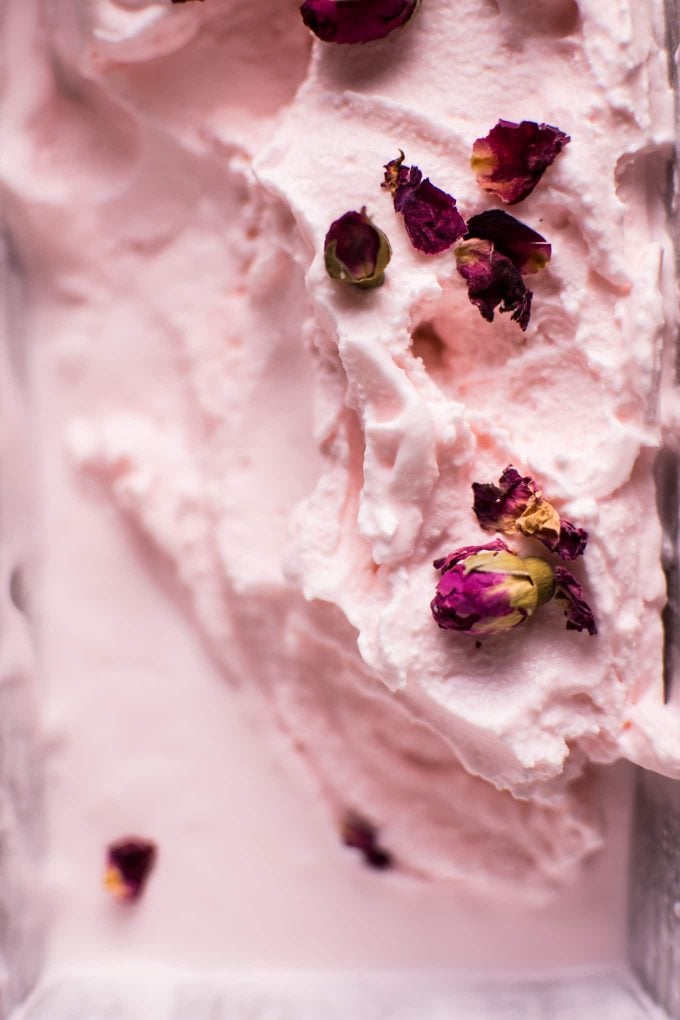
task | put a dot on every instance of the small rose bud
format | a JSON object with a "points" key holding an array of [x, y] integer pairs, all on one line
{"points": [[510, 161], [517, 505], [487, 589], [129, 864], [356, 21], [356, 251], [431, 216]]}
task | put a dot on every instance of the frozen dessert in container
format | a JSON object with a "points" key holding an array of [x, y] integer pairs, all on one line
{"points": [[295, 318]]}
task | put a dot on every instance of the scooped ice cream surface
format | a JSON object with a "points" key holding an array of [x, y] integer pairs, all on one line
{"points": [[298, 451]]}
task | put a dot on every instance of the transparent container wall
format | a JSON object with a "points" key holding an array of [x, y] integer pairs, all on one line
{"points": [[20, 776]]}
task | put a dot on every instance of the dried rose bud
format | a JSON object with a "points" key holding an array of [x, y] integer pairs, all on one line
{"points": [[129, 864], [569, 594], [528, 250], [493, 280], [431, 218], [357, 832], [487, 589], [517, 504], [356, 251], [512, 158], [356, 21]]}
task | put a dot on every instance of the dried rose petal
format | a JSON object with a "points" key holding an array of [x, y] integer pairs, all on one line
{"points": [[517, 504], [487, 590], [445, 563], [493, 280], [359, 833], [356, 21], [572, 541], [431, 218], [356, 251], [129, 864], [569, 594], [528, 250], [182, 1], [510, 161]]}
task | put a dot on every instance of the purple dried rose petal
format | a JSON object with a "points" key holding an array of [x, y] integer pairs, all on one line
{"points": [[488, 590], [445, 563], [569, 594], [497, 507], [517, 504], [356, 21], [356, 251], [431, 218], [359, 833], [129, 864], [510, 161], [572, 541], [493, 280], [528, 250]]}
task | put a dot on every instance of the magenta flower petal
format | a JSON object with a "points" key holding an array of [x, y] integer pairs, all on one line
{"points": [[129, 864], [528, 250], [517, 505], [569, 593], [492, 281], [356, 251], [499, 507], [445, 563], [488, 590], [510, 161], [356, 21], [572, 541], [431, 217]]}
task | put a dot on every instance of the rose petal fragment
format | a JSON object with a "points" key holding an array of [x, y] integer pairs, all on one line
{"points": [[493, 280], [510, 161], [445, 563], [129, 864], [359, 833], [569, 594], [517, 504], [356, 21], [528, 250], [572, 541], [431, 217], [499, 507], [356, 251]]}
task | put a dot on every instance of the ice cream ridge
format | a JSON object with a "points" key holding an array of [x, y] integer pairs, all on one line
{"points": [[360, 332]]}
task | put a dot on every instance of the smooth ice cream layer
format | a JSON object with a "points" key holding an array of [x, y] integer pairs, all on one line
{"points": [[289, 456]]}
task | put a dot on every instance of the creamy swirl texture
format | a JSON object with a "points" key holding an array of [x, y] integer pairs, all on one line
{"points": [[300, 452]]}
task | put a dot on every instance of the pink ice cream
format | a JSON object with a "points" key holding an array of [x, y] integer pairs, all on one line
{"points": [[289, 455]]}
